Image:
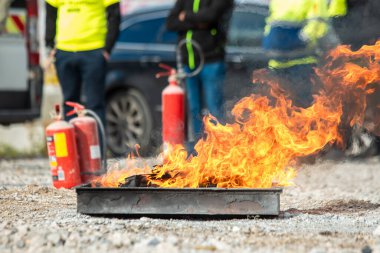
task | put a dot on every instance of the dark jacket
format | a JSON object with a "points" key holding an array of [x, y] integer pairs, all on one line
{"points": [[209, 26]]}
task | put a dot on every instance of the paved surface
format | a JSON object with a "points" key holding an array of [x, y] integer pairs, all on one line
{"points": [[334, 208]]}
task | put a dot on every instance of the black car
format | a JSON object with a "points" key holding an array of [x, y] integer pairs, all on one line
{"points": [[133, 92]]}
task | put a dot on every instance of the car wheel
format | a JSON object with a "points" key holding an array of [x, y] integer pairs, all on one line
{"points": [[129, 122]]}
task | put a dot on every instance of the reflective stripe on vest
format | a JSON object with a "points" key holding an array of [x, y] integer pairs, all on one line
{"points": [[189, 36], [274, 64]]}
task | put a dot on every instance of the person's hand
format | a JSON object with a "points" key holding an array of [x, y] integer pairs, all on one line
{"points": [[106, 55], [182, 16]]}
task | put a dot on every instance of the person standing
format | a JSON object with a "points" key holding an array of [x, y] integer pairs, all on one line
{"points": [[206, 22], [81, 34], [291, 39]]}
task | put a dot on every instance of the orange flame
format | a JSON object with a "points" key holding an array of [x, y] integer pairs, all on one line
{"points": [[116, 177], [256, 151], [351, 76], [260, 149]]}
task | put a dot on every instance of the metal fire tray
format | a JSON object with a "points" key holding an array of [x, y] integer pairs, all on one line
{"points": [[187, 202]]}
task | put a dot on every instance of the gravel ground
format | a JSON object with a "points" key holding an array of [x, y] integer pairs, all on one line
{"points": [[335, 207]]}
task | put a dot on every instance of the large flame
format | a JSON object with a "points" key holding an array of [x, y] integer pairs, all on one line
{"points": [[259, 150]]}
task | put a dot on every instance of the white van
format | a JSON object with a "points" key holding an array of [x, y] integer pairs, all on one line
{"points": [[21, 77]]}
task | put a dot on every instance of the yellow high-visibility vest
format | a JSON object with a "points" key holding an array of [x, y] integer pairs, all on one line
{"points": [[311, 15], [81, 25], [337, 8]]}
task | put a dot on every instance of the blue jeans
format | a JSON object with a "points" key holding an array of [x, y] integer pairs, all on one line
{"points": [[283, 39], [82, 76], [205, 89]]}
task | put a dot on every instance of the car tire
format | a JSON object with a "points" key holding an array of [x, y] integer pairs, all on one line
{"points": [[129, 122]]}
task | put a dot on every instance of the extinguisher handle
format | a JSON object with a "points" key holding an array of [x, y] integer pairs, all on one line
{"points": [[71, 113], [165, 66], [76, 108], [170, 71]]}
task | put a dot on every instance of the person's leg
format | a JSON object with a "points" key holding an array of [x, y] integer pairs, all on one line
{"points": [[93, 71], [302, 77], [297, 84], [194, 105], [69, 78], [212, 77]]}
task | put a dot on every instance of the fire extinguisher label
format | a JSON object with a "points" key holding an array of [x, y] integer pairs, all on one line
{"points": [[61, 174], [95, 152], [60, 145], [51, 151]]}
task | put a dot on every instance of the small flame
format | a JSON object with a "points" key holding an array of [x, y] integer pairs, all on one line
{"points": [[116, 176]]}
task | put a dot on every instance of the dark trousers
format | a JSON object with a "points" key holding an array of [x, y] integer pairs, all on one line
{"points": [[82, 79], [298, 82]]}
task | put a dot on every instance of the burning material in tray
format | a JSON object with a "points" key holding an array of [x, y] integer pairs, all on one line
{"points": [[141, 180]]}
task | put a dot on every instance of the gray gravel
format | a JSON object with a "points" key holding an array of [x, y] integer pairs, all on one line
{"points": [[335, 207]]}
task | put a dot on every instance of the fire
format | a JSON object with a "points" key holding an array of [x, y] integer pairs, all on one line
{"points": [[115, 177], [261, 147], [353, 76], [255, 152]]}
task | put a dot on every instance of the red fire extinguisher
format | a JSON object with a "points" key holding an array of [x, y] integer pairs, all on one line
{"points": [[173, 109], [74, 149], [87, 139], [62, 151]]}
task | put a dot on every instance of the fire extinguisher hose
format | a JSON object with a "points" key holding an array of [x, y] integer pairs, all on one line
{"points": [[181, 73], [103, 136]]}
